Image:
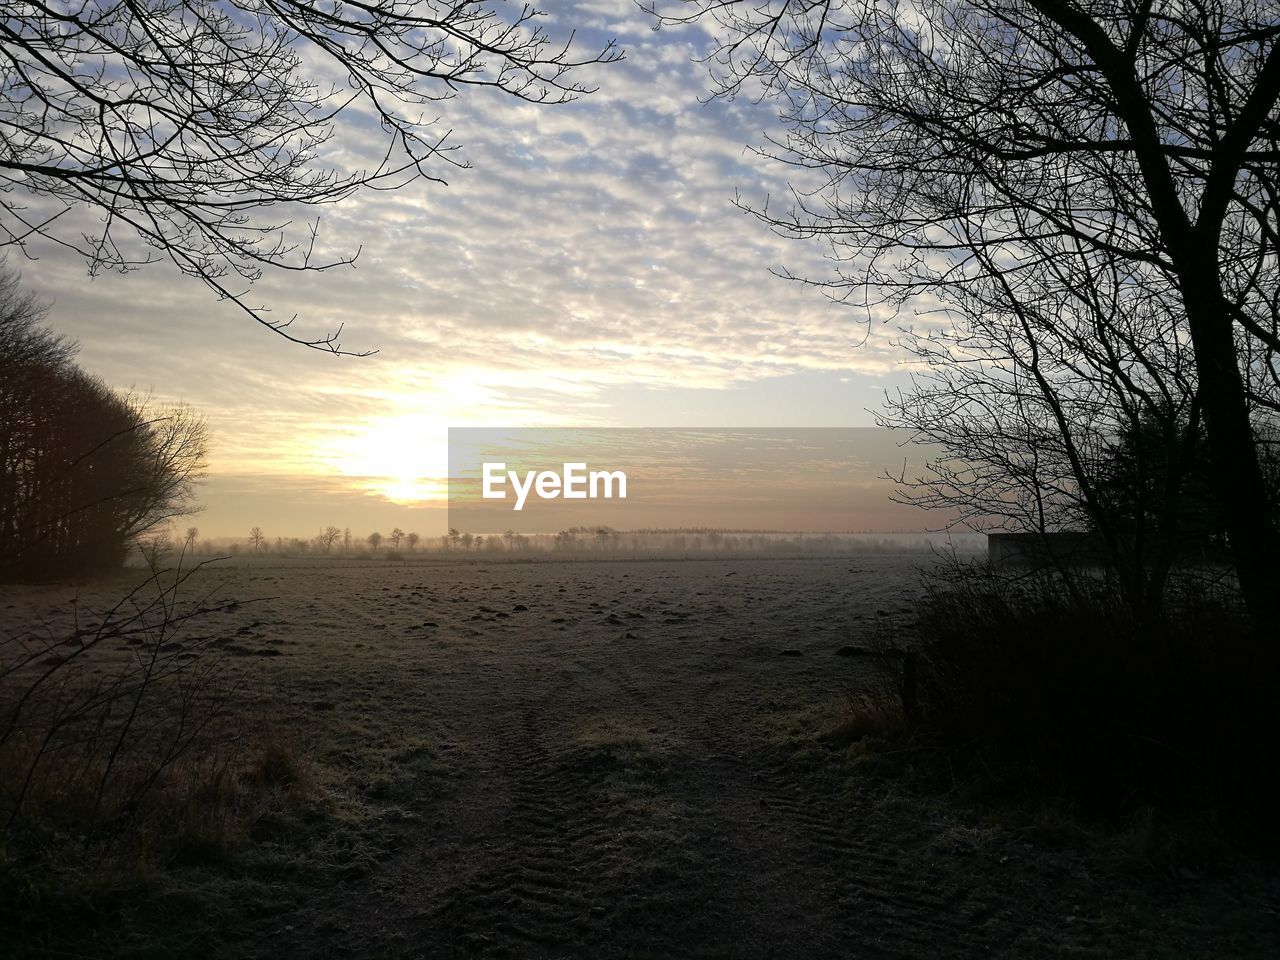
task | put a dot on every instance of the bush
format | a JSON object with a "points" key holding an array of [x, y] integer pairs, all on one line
{"points": [[1075, 697]]}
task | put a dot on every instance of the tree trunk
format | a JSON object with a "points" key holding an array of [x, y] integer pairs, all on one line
{"points": [[1255, 541]]}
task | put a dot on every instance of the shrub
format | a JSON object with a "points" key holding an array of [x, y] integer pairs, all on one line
{"points": [[1076, 697]]}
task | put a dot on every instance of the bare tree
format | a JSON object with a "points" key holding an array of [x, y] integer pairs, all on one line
{"points": [[85, 472], [257, 539], [178, 124], [328, 537], [28, 352], [396, 536], [374, 540], [1026, 384], [961, 142], [412, 540], [189, 541], [174, 445], [346, 540]]}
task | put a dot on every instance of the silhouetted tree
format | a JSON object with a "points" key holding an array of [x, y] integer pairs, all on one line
{"points": [[85, 472], [328, 537], [374, 539], [396, 536], [984, 152], [413, 539], [178, 126], [1155, 485], [30, 355], [257, 539]]}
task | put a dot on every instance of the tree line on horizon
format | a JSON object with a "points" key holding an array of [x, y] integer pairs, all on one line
{"points": [[333, 541]]}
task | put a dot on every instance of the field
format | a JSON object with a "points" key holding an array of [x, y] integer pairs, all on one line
{"points": [[614, 759]]}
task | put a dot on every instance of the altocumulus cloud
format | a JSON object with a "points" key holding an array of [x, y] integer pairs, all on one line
{"points": [[589, 247]]}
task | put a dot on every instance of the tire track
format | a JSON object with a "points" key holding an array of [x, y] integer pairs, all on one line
{"points": [[821, 878], [543, 889]]}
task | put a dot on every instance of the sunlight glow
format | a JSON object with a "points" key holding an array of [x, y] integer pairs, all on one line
{"points": [[402, 458]]}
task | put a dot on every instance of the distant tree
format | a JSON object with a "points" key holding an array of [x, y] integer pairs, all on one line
{"points": [[155, 550], [328, 537], [413, 539], [467, 541], [346, 540], [454, 537], [374, 540], [257, 539], [189, 541], [480, 541], [178, 128], [396, 536], [510, 537]]}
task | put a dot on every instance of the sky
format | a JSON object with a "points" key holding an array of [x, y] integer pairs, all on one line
{"points": [[590, 268]]}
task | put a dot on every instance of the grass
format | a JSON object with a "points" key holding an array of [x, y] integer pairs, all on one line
{"points": [[189, 868], [410, 796], [121, 767]]}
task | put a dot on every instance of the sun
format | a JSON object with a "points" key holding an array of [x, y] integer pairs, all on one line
{"points": [[402, 458]]}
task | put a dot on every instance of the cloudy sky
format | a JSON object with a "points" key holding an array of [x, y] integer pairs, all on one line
{"points": [[590, 268]]}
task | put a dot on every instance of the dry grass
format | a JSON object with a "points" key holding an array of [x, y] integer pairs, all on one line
{"points": [[120, 762], [866, 717]]}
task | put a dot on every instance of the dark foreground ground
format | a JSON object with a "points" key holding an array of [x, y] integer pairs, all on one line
{"points": [[624, 759]]}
